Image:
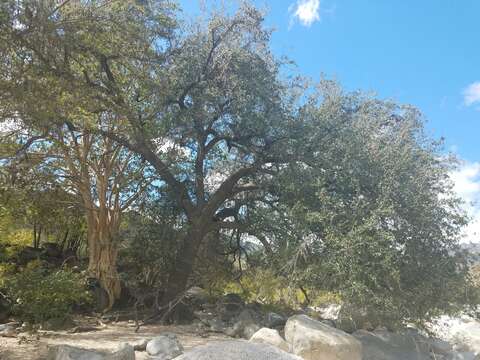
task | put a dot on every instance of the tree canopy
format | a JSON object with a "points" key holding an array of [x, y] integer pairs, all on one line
{"points": [[335, 191]]}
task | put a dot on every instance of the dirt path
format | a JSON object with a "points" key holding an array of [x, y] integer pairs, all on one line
{"points": [[33, 347]]}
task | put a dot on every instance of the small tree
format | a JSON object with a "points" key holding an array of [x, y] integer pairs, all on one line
{"points": [[100, 175]]}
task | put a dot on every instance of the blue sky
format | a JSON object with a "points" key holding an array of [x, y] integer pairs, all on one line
{"points": [[425, 53]]}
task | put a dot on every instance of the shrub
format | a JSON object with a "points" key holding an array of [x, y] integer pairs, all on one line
{"points": [[38, 295], [262, 286]]}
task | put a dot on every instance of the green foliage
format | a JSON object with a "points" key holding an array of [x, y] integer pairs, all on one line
{"points": [[150, 242], [271, 290], [262, 286], [38, 295], [36, 206], [370, 212], [6, 270]]}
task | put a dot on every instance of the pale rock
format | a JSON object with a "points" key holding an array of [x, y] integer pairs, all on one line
{"points": [[164, 347], [237, 350], [314, 340], [270, 336]]}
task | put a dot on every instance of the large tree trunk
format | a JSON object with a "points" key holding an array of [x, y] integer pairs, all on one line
{"points": [[102, 256], [184, 264]]}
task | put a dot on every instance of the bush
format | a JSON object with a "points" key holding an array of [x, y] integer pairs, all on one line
{"points": [[262, 286], [38, 295]]}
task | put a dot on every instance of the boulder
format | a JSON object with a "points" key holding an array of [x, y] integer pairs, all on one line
{"points": [[216, 325], [247, 316], [27, 254], [140, 345], [409, 345], [274, 320], [237, 350], [229, 306], [164, 347], [384, 345], [8, 330], [66, 352], [314, 340], [330, 323], [439, 346], [463, 332], [231, 331], [245, 324], [204, 316], [271, 337], [460, 356], [249, 330], [126, 352]]}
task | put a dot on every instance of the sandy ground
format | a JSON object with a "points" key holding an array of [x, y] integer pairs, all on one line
{"points": [[34, 347]]}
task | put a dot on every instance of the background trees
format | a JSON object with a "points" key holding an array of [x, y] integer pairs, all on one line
{"points": [[341, 192]]}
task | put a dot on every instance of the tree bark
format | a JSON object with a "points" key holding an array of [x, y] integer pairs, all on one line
{"points": [[184, 264], [102, 255]]}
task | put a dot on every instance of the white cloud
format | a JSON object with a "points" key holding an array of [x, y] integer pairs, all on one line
{"points": [[467, 185], [306, 11], [471, 94]]}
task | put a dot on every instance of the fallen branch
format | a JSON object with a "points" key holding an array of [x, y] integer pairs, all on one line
{"points": [[162, 313]]}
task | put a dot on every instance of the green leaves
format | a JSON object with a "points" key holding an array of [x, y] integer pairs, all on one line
{"points": [[371, 194], [38, 295]]}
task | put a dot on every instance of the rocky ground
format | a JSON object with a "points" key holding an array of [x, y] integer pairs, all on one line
{"points": [[219, 331], [34, 347]]}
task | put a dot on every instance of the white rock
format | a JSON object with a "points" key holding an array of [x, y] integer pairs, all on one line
{"points": [[270, 336], [314, 340], [237, 350], [463, 332], [462, 356], [164, 347]]}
